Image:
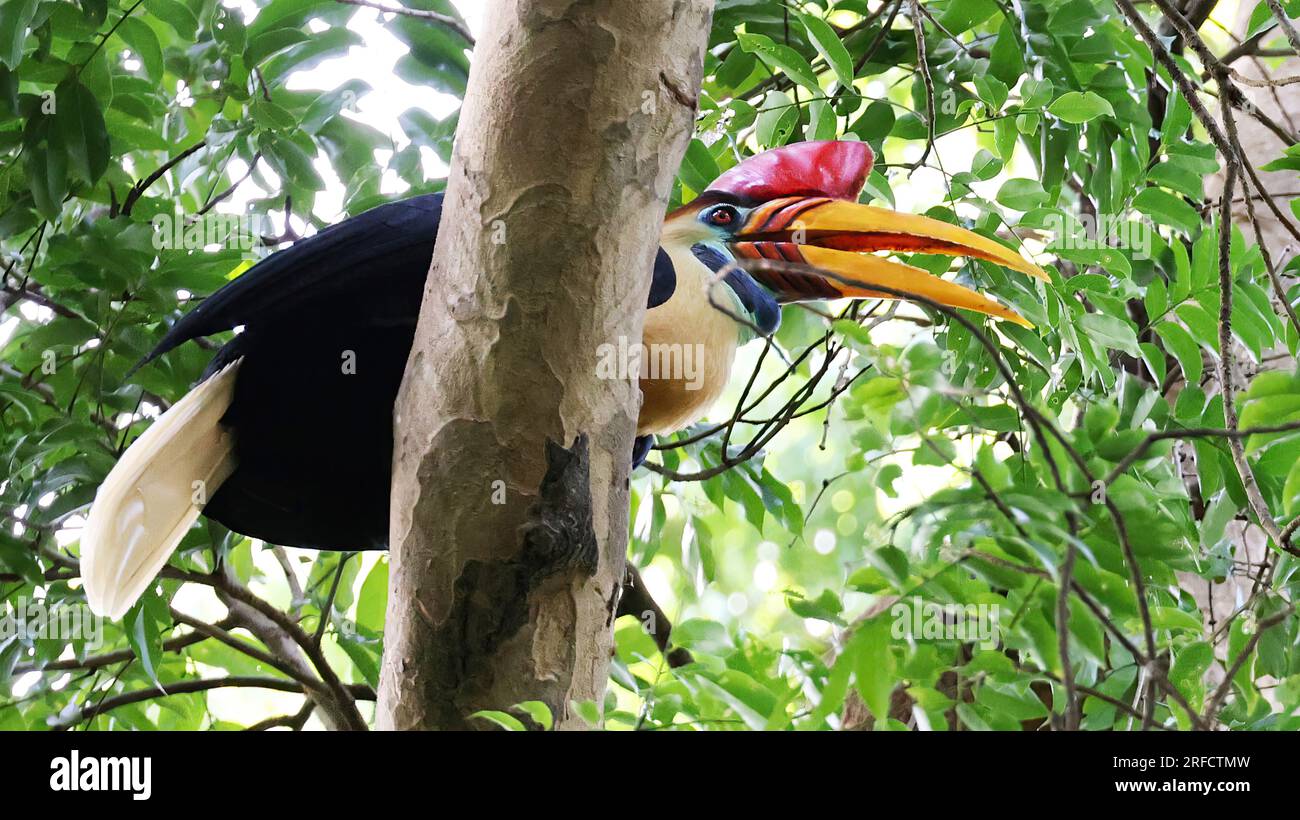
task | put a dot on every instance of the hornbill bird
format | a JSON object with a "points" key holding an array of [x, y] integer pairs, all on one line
{"points": [[280, 442]]}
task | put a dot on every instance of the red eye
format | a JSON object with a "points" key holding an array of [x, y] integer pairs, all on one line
{"points": [[722, 216]]}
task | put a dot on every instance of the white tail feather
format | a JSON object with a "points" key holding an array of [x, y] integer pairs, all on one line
{"points": [[152, 496]]}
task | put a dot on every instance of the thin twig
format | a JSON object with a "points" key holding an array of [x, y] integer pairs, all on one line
{"points": [[923, 66], [137, 190], [445, 20]]}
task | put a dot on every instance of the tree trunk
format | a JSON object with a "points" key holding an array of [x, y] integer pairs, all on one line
{"points": [[511, 458]]}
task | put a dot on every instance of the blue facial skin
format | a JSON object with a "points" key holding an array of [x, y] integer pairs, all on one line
{"points": [[757, 300]]}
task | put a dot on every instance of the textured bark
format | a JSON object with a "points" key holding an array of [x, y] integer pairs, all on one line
{"points": [[511, 459]]}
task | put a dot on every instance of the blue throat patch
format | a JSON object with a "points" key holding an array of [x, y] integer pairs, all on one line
{"points": [[759, 303]]}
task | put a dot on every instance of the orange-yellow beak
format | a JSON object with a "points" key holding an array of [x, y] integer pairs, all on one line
{"points": [[842, 237]]}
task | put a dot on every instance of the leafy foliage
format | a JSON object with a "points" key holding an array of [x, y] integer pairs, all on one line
{"points": [[118, 122], [881, 452], [926, 478]]}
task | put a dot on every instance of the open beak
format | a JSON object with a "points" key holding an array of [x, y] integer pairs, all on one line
{"points": [[841, 237]]}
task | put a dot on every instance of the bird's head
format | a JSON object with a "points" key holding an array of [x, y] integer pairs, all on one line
{"points": [[797, 206]]}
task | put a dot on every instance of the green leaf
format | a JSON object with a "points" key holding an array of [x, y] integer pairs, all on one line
{"points": [[506, 721], [985, 166], [334, 43], [1005, 137], [778, 499], [1261, 19], [1022, 194], [1168, 617], [892, 563], [1006, 59], [1111, 332], [1155, 361], [1157, 299], [875, 123], [1167, 209], [177, 15], [825, 607], [698, 167], [1270, 410], [47, 179], [737, 704], [700, 635], [992, 91], [229, 30], [1183, 347], [423, 129], [329, 104], [776, 119], [873, 665], [1036, 93], [80, 129], [1291, 490], [1203, 326], [887, 476], [271, 116], [140, 38], [291, 162], [1289, 161], [96, 11], [1177, 175], [143, 634], [1220, 511], [264, 45], [781, 56], [15, 17], [1078, 107], [1178, 117], [1187, 674], [373, 599], [828, 45], [735, 69], [8, 94], [539, 712], [1027, 124], [588, 710], [294, 13], [1111, 259], [822, 123]]}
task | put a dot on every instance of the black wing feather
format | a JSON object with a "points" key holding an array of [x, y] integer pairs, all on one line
{"points": [[366, 251]]}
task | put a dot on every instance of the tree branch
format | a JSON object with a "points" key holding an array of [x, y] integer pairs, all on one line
{"points": [[143, 185], [183, 687], [444, 20]]}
